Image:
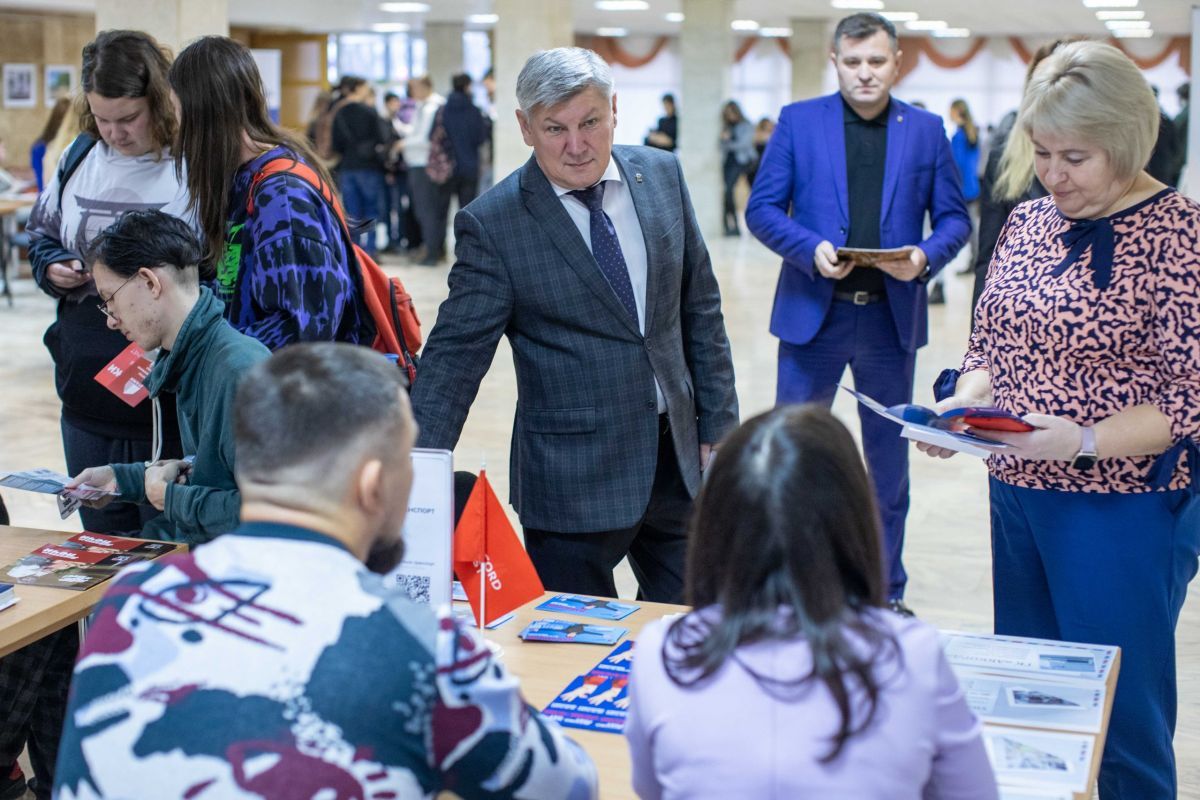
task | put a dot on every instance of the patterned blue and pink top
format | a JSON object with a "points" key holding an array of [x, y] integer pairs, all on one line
{"points": [[1085, 318], [270, 663]]}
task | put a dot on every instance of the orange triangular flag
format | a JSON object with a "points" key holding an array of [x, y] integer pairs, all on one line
{"points": [[484, 539]]}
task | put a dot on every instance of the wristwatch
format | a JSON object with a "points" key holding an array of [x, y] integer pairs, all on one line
{"points": [[1087, 457]]}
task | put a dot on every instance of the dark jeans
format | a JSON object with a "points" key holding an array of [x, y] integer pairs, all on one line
{"points": [[84, 449], [363, 195], [656, 546], [462, 187], [424, 202], [732, 171], [396, 194]]}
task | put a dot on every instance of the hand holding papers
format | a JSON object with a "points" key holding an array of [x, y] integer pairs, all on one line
{"points": [[949, 430], [45, 481]]}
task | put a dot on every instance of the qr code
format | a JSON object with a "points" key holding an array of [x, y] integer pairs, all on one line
{"points": [[415, 586]]}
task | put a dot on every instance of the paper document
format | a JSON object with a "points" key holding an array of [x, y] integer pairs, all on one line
{"points": [[867, 257], [1018, 700], [1015, 654], [1045, 760], [960, 441]]}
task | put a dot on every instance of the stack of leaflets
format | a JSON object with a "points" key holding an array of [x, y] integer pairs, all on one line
{"points": [[1016, 685], [599, 700], [82, 561], [561, 630], [585, 606], [45, 481], [7, 596]]}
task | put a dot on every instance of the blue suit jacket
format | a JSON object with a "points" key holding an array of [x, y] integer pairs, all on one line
{"points": [[800, 199]]}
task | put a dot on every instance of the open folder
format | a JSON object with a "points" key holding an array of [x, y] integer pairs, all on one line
{"points": [[960, 441]]}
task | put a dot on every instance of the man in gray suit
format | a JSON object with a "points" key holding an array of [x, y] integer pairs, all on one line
{"points": [[590, 260]]}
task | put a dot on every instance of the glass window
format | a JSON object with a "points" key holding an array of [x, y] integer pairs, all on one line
{"points": [[363, 54], [399, 52]]}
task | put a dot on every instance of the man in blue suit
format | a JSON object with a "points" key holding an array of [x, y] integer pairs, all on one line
{"points": [[858, 169]]}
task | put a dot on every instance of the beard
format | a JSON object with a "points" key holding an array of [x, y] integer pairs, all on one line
{"points": [[386, 553]]}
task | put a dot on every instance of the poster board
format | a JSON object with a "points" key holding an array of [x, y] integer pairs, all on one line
{"points": [[425, 573]]}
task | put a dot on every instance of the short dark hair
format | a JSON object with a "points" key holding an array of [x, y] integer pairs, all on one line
{"points": [[145, 239], [786, 521], [350, 83], [460, 82], [128, 64], [284, 418], [390, 96], [862, 25], [668, 98]]}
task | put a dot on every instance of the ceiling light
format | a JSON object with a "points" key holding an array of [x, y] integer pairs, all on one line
{"points": [[900, 16], [622, 5], [775, 33], [405, 8], [1137, 33], [952, 33], [391, 27], [864, 5], [927, 25], [483, 19], [1105, 16], [673, 16], [1110, 3], [613, 33], [744, 25], [1127, 24]]}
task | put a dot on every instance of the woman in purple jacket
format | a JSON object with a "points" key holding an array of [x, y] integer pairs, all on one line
{"points": [[790, 678]]}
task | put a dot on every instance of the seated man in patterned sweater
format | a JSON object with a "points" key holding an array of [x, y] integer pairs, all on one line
{"points": [[272, 662]]}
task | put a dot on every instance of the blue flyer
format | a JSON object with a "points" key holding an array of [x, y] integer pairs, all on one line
{"points": [[596, 702], [618, 661], [588, 606], [561, 630]]}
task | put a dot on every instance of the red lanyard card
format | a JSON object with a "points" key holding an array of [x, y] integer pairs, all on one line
{"points": [[126, 375]]}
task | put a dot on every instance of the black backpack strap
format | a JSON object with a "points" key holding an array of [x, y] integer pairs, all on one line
{"points": [[76, 153]]}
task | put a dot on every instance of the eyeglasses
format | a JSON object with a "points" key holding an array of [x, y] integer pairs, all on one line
{"points": [[103, 304]]}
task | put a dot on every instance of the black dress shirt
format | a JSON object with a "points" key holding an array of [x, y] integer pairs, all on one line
{"points": [[866, 152]]}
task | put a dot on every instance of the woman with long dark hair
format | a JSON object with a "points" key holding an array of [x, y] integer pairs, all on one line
{"points": [[285, 272], [737, 154], [62, 107], [790, 679]]}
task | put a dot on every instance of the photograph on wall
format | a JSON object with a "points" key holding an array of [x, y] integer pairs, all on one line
{"points": [[20, 86], [60, 80]]}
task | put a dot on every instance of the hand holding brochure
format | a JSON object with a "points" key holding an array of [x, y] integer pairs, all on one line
{"points": [[949, 431]]}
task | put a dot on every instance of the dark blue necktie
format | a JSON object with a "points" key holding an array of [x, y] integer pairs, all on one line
{"points": [[607, 249]]}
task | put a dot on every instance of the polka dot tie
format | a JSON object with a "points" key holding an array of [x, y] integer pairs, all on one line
{"points": [[607, 249]]}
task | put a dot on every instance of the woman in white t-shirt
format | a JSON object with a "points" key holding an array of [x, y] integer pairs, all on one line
{"points": [[120, 161]]}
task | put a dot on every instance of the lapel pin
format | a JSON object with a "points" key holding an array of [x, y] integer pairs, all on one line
{"points": [[900, 118], [637, 176]]}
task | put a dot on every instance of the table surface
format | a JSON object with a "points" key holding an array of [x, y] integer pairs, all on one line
{"points": [[10, 205], [40, 610], [546, 668]]}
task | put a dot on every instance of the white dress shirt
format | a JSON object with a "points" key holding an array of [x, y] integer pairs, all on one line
{"points": [[618, 205]]}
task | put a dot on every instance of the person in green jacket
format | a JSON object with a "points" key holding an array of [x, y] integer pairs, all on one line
{"points": [[146, 273]]}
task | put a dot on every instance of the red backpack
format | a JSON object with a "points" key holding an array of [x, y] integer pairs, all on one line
{"points": [[398, 329]]}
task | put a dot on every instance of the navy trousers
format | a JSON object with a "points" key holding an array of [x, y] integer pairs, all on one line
{"points": [[863, 337], [1105, 569], [363, 194]]}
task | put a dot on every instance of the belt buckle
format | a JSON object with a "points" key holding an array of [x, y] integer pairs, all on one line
{"points": [[862, 298]]}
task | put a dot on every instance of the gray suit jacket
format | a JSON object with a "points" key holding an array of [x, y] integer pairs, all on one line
{"points": [[584, 445]]}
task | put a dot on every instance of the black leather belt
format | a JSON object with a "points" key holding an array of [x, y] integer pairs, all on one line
{"points": [[860, 298]]}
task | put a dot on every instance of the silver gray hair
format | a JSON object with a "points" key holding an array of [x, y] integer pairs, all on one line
{"points": [[551, 77]]}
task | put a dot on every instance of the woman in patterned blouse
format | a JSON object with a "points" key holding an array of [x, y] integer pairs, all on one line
{"points": [[1090, 325]]}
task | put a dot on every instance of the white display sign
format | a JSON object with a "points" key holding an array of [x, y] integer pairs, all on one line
{"points": [[425, 572], [270, 67]]}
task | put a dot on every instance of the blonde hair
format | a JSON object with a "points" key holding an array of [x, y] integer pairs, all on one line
{"points": [[1016, 162], [1093, 91]]}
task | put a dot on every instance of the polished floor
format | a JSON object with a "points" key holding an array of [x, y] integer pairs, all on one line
{"points": [[947, 551]]}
